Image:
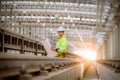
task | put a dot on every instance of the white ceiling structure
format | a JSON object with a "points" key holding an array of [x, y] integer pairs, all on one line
{"points": [[87, 22]]}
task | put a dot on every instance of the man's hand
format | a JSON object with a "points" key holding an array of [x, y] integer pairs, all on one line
{"points": [[53, 49]]}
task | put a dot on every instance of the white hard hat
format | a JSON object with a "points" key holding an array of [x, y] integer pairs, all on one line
{"points": [[61, 29]]}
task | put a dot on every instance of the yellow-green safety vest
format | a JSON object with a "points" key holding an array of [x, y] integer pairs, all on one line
{"points": [[62, 44]]}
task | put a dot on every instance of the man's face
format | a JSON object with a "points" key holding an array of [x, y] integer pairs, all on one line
{"points": [[60, 33]]}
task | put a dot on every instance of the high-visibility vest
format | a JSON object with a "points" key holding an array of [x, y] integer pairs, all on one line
{"points": [[61, 45]]}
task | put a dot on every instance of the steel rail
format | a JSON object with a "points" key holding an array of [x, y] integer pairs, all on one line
{"points": [[15, 65]]}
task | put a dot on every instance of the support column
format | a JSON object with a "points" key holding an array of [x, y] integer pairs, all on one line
{"points": [[3, 36], [118, 42], [0, 12]]}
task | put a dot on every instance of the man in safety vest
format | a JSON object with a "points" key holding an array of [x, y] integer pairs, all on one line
{"points": [[62, 43]]}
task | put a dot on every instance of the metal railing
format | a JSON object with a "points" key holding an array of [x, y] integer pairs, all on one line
{"points": [[13, 41]]}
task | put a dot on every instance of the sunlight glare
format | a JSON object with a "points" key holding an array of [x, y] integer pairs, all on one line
{"points": [[88, 54]]}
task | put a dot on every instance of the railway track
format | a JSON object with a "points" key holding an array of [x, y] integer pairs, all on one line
{"points": [[12, 66]]}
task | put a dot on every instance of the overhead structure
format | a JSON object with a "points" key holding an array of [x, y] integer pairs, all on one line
{"points": [[40, 19]]}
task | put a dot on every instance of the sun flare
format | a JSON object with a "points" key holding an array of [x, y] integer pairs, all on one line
{"points": [[88, 54]]}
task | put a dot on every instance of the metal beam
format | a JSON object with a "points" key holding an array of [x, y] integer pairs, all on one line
{"points": [[101, 12]]}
